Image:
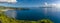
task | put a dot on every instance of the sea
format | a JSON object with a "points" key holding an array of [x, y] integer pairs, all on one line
{"points": [[38, 13]]}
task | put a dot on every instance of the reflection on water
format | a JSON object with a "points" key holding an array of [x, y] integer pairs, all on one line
{"points": [[54, 14]]}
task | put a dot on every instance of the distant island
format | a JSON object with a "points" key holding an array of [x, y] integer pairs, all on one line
{"points": [[15, 8]]}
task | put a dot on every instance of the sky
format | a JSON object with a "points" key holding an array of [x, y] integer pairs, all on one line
{"points": [[28, 3]]}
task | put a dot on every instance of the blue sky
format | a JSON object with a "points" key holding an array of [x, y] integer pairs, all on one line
{"points": [[29, 3]]}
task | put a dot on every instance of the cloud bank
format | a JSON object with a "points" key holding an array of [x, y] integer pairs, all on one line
{"points": [[55, 7], [49, 5], [9, 1]]}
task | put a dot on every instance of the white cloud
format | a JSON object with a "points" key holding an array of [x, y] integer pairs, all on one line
{"points": [[46, 3], [9, 1], [50, 5], [55, 7]]}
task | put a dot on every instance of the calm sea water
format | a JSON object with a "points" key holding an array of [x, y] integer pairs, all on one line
{"points": [[39, 13], [32, 14]]}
